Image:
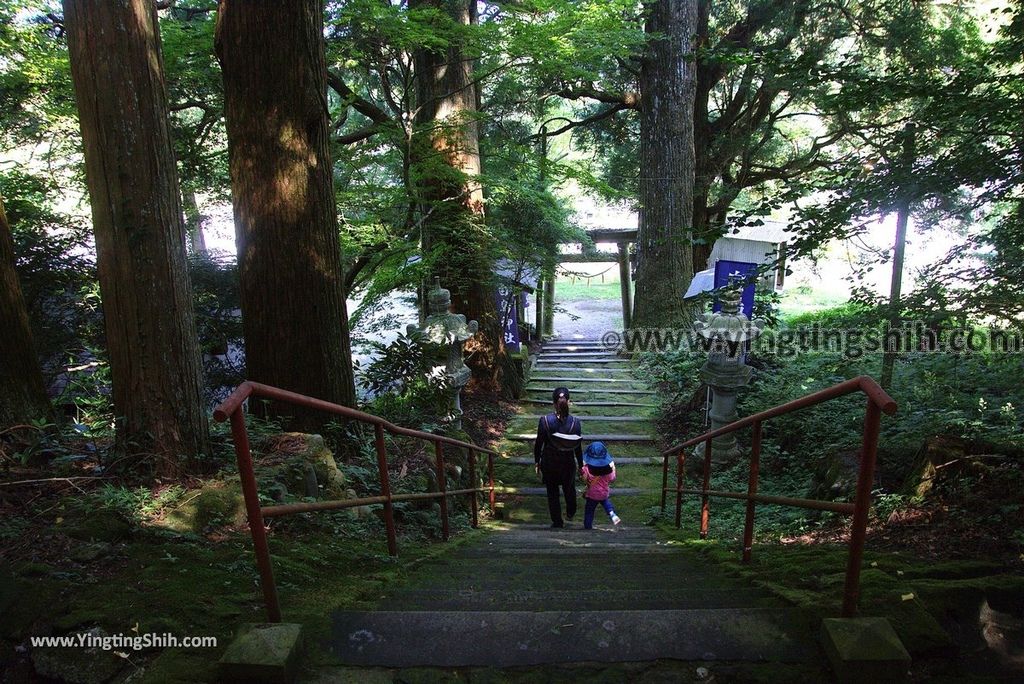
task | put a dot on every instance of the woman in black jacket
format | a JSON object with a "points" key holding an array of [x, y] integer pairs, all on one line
{"points": [[558, 455]]}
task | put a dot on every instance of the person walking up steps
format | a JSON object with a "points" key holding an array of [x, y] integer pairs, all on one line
{"points": [[557, 454], [598, 473]]}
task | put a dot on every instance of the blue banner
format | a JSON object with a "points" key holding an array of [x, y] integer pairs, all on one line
{"points": [[509, 318], [735, 271]]}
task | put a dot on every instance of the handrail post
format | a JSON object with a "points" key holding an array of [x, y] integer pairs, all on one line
{"points": [[490, 477], [705, 513], [385, 488], [255, 515], [473, 502], [680, 470], [862, 505], [442, 486], [755, 467], [664, 482]]}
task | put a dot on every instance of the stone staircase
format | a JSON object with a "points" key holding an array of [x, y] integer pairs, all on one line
{"points": [[528, 595]]}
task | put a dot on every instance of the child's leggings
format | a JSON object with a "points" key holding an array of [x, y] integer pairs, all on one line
{"points": [[590, 507]]}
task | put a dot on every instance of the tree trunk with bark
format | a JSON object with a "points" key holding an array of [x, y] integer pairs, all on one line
{"points": [[667, 82], [286, 226], [446, 167], [117, 71], [22, 391]]}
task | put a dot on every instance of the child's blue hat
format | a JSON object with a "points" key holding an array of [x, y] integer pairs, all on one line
{"points": [[596, 455]]}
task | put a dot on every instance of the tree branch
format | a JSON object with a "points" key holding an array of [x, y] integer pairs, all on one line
{"points": [[627, 100], [604, 114], [361, 105], [357, 136]]}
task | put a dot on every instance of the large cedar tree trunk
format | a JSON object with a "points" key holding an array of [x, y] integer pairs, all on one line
{"points": [[117, 71], [286, 225], [667, 80], [22, 393], [446, 163]]}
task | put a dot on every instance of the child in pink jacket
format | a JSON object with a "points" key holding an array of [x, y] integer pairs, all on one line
{"points": [[598, 473]]}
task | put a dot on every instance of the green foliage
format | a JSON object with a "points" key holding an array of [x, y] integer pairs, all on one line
{"points": [[35, 83], [56, 273], [404, 383], [975, 397], [139, 504], [215, 292]]}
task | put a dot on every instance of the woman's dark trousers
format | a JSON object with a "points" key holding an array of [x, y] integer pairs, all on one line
{"points": [[567, 485]]}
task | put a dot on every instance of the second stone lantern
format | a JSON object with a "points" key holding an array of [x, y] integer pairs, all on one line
{"points": [[728, 331]]}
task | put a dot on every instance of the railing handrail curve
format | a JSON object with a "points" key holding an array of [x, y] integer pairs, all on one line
{"points": [[862, 383], [249, 388]]}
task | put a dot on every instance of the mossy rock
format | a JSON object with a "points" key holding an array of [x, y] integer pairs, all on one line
{"points": [[303, 465], [99, 525], [78, 665], [217, 502]]}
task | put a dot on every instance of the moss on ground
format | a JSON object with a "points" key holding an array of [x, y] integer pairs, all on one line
{"points": [[924, 600], [159, 581]]}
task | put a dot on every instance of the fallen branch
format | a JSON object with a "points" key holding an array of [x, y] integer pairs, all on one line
{"points": [[56, 479]]}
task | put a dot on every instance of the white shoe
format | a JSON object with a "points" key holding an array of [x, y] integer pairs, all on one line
{"points": [[616, 519]]}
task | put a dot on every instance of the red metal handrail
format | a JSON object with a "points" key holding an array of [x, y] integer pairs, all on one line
{"points": [[878, 402], [231, 409]]}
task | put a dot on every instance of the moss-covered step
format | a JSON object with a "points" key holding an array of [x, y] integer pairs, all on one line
{"points": [[591, 427], [574, 599], [592, 393], [591, 361], [610, 419], [603, 371], [623, 460], [617, 437], [409, 639], [593, 404], [566, 380]]}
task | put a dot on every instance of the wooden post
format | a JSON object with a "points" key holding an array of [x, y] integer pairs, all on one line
{"points": [[250, 493], [549, 304], [862, 505], [625, 285], [474, 505], [704, 509], [538, 322]]}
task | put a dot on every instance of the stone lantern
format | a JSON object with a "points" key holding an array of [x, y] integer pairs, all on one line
{"points": [[724, 372], [445, 334]]}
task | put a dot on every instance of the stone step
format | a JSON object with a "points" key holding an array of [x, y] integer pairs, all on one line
{"points": [[569, 381], [505, 638], [610, 419], [625, 460], [573, 343], [575, 599], [590, 357], [580, 369], [587, 390], [583, 404], [541, 491], [529, 437]]}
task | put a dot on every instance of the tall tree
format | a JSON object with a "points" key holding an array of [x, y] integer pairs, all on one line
{"points": [[22, 392], [275, 105], [446, 170], [117, 71], [667, 82]]}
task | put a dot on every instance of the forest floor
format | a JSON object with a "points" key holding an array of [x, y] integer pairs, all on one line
{"points": [[97, 555]]}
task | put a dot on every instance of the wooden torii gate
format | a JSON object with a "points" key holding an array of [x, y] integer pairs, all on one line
{"points": [[621, 237]]}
